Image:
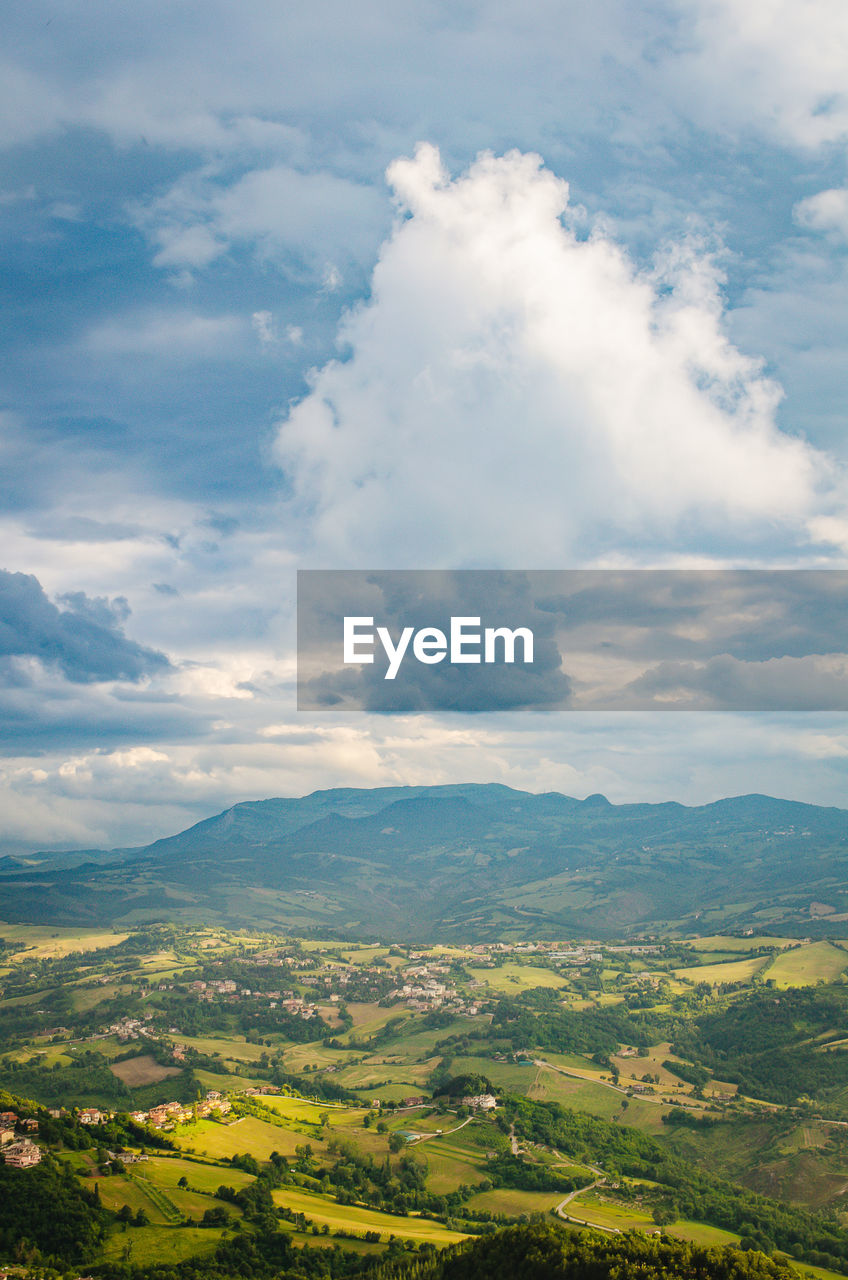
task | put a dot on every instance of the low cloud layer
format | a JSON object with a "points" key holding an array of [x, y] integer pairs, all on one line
{"points": [[516, 389]]}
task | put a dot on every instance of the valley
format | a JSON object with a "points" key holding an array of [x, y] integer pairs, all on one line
{"points": [[208, 1087]]}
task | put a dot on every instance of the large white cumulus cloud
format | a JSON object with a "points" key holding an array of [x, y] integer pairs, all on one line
{"points": [[516, 391]]}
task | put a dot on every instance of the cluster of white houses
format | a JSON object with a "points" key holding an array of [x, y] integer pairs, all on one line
{"points": [[480, 1102], [166, 1114], [227, 987], [19, 1151], [22, 1154], [432, 994]]}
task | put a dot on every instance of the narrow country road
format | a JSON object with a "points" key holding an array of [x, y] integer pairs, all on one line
{"points": [[584, 1222], [616, 1088], [426, 1137]]}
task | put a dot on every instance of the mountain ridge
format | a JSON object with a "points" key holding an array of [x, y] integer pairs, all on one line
{"points": [[464, 860]]}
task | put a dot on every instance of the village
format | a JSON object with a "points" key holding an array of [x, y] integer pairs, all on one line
{"points": [[20, 1151]]}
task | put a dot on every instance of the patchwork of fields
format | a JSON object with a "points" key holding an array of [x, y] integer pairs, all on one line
{"points": [[356, 1135]]}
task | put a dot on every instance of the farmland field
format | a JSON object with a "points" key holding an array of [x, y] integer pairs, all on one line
{"points": [[618, 1019], [321, 1209], [221, 1141], [166, 1172], [144, 1246], [732, 971], [512, 978], [805, 966], [512, 1203], [47, 940], [236, 1048], [142, 1070]]}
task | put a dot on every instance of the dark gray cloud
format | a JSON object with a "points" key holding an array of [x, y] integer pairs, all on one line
{"points": [[38, 716], [84, 639]]}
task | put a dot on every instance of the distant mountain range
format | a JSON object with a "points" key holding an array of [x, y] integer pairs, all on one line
{"points": [[463, 862]]}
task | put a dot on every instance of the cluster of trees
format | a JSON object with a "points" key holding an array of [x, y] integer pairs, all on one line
{"points": [[542, 1252], [567, 1031], [463, 1086], [320, 1088], [507, 1170], [766, 1043], [688, 1071], [48, 1212], [399, 1187], [87, 1078]]}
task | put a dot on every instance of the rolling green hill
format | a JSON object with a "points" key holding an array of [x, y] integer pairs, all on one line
{"points": [[464, 862]]}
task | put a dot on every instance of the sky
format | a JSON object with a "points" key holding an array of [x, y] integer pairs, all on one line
{"points": [[467, 285]]}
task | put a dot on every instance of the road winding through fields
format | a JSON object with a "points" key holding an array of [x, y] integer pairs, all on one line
{"points": [[604, 1084], [584, 1222], [425, 1137]]}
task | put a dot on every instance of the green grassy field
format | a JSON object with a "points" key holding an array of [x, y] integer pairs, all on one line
{"points": [[116, 1191], [191, 1204], [447, 1169], [732, 971], [298, 1056], [701, 1233], [807, 1269], [221, 1141], [368, 1018], [388, 1080], [804, 967], [223, 1082], [301, 1111], [419, 1043], [513, 977], [596, 1208], [168, 1245], [166, 1172], [583, 1092], [553, 1086], [234, 1048], [366, 955], [45, 940], [48, 1057], [513, 1203], [322, 1209], [505, 1075], [86, 998]]}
